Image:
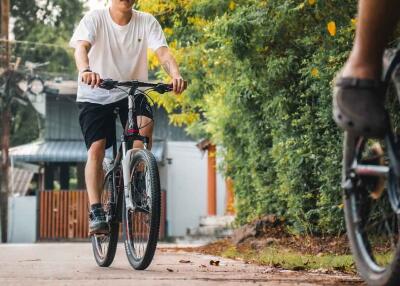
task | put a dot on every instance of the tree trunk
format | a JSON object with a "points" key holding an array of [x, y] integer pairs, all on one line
{"points": [[5, 163]]}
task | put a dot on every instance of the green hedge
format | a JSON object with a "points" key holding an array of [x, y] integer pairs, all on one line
{"points": [[261, 77]]}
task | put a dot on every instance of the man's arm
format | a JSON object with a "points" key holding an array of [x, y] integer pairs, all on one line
{"points": [[82, 62], [170, 66]]}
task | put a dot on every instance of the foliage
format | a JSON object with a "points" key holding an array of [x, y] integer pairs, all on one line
{"points": [[42, 30], [40, 23], [260, 77]]}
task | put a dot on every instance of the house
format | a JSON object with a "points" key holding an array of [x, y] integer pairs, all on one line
{"points": [[53, 169]]}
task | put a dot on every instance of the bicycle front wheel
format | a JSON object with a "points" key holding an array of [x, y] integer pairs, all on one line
{"points": [[141, 223]]}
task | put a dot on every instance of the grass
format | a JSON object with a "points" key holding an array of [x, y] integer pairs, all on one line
{"points": [[289, 259]]}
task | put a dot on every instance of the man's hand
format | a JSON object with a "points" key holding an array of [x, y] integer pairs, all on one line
{"points": [[178, 84], [91, 78]]}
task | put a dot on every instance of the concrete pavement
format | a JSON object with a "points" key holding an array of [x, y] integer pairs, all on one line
{"points": [[73, 264]]}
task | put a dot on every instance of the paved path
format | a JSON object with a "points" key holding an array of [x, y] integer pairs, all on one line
{"points": [[73, 264]]}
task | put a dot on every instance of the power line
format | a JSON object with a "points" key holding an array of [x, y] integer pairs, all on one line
{"points": [[35, 43]]}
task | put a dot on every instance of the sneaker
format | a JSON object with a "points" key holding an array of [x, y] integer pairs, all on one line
{"points": [[97, 222], [358, 107]]}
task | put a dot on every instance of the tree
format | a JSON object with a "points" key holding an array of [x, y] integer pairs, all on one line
{"points": [[42, 29], [42, 23]]}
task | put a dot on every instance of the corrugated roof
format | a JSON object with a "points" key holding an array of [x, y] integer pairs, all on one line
{"points": [[65, 151], [63, 87]]}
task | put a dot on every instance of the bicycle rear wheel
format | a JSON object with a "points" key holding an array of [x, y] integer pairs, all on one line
{"points": [[105, 245], [141, 224]]}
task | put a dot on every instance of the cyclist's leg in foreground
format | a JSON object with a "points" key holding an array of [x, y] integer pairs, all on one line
{"points": [[94, 177], [358, 103]]}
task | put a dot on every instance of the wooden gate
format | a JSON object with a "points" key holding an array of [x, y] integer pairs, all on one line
{"points": [[64, 215]]}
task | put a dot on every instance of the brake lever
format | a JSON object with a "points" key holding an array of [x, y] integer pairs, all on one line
{"points": [[171, 87], [107, 84], [163, 88]]}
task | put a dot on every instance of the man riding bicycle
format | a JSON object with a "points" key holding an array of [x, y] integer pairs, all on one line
{"points": [[113, 43]]}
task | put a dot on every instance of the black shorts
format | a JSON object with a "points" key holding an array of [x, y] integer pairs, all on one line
{"points": [[97, 120]]}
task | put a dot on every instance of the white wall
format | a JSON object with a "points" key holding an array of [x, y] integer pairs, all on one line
{"points": [[185, 180], [22, 219], [186, 187]]}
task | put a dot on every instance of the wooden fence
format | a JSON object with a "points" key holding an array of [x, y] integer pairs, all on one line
{"points": [[63, 215]]}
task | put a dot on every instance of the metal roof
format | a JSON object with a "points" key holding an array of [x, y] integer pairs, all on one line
{"points": [[63, 87], [65, 151]]}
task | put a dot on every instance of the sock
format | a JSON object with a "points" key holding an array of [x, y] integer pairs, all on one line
{"points": [[95, 206]]}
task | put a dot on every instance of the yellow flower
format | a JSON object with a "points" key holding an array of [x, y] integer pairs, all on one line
{"points": [[353, 21], [312, 2], [168, 31], [232, 5], [314, 72], [332, 28]]}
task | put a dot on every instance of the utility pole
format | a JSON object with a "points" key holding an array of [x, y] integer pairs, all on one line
{"points": [[4, 36], [5, 117]]}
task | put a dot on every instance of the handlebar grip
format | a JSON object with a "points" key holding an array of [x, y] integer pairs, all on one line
{"points": [[107, 84]]}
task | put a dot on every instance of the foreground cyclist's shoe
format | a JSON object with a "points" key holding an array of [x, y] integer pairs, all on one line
{"points": [[358, 106], [97, 222]]}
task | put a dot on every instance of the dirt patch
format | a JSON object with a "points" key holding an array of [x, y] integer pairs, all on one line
{"points": [[270, 231]]}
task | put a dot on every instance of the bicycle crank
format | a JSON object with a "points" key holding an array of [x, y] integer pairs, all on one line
{"points": [[377, 183]]}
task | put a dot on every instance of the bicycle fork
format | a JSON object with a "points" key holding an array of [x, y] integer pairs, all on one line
{"points": [[127, 178]]}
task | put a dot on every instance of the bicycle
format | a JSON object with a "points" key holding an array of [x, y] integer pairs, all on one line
{"points": [[370, 179], [137, 208]]}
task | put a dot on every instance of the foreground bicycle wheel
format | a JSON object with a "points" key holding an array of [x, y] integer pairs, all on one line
{"points": [[141, 224], [372, 202], [105, 246], [372, 220]]}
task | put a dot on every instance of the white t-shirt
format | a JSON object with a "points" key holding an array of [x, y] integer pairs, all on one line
{"points": [[117, 52]]}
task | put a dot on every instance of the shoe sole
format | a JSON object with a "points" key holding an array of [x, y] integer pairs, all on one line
{"points": [[104, 229], [100, 231], [347, 123]]}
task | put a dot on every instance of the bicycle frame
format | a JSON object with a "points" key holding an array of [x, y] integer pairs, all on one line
{"points": [[122, 155]]}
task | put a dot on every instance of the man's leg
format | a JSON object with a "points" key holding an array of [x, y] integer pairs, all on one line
{"points": [[375, 23], [94, 183], [94, 171], [147, 131]]}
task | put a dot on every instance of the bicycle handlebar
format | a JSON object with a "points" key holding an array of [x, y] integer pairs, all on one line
{"points": [[158, 87]]}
